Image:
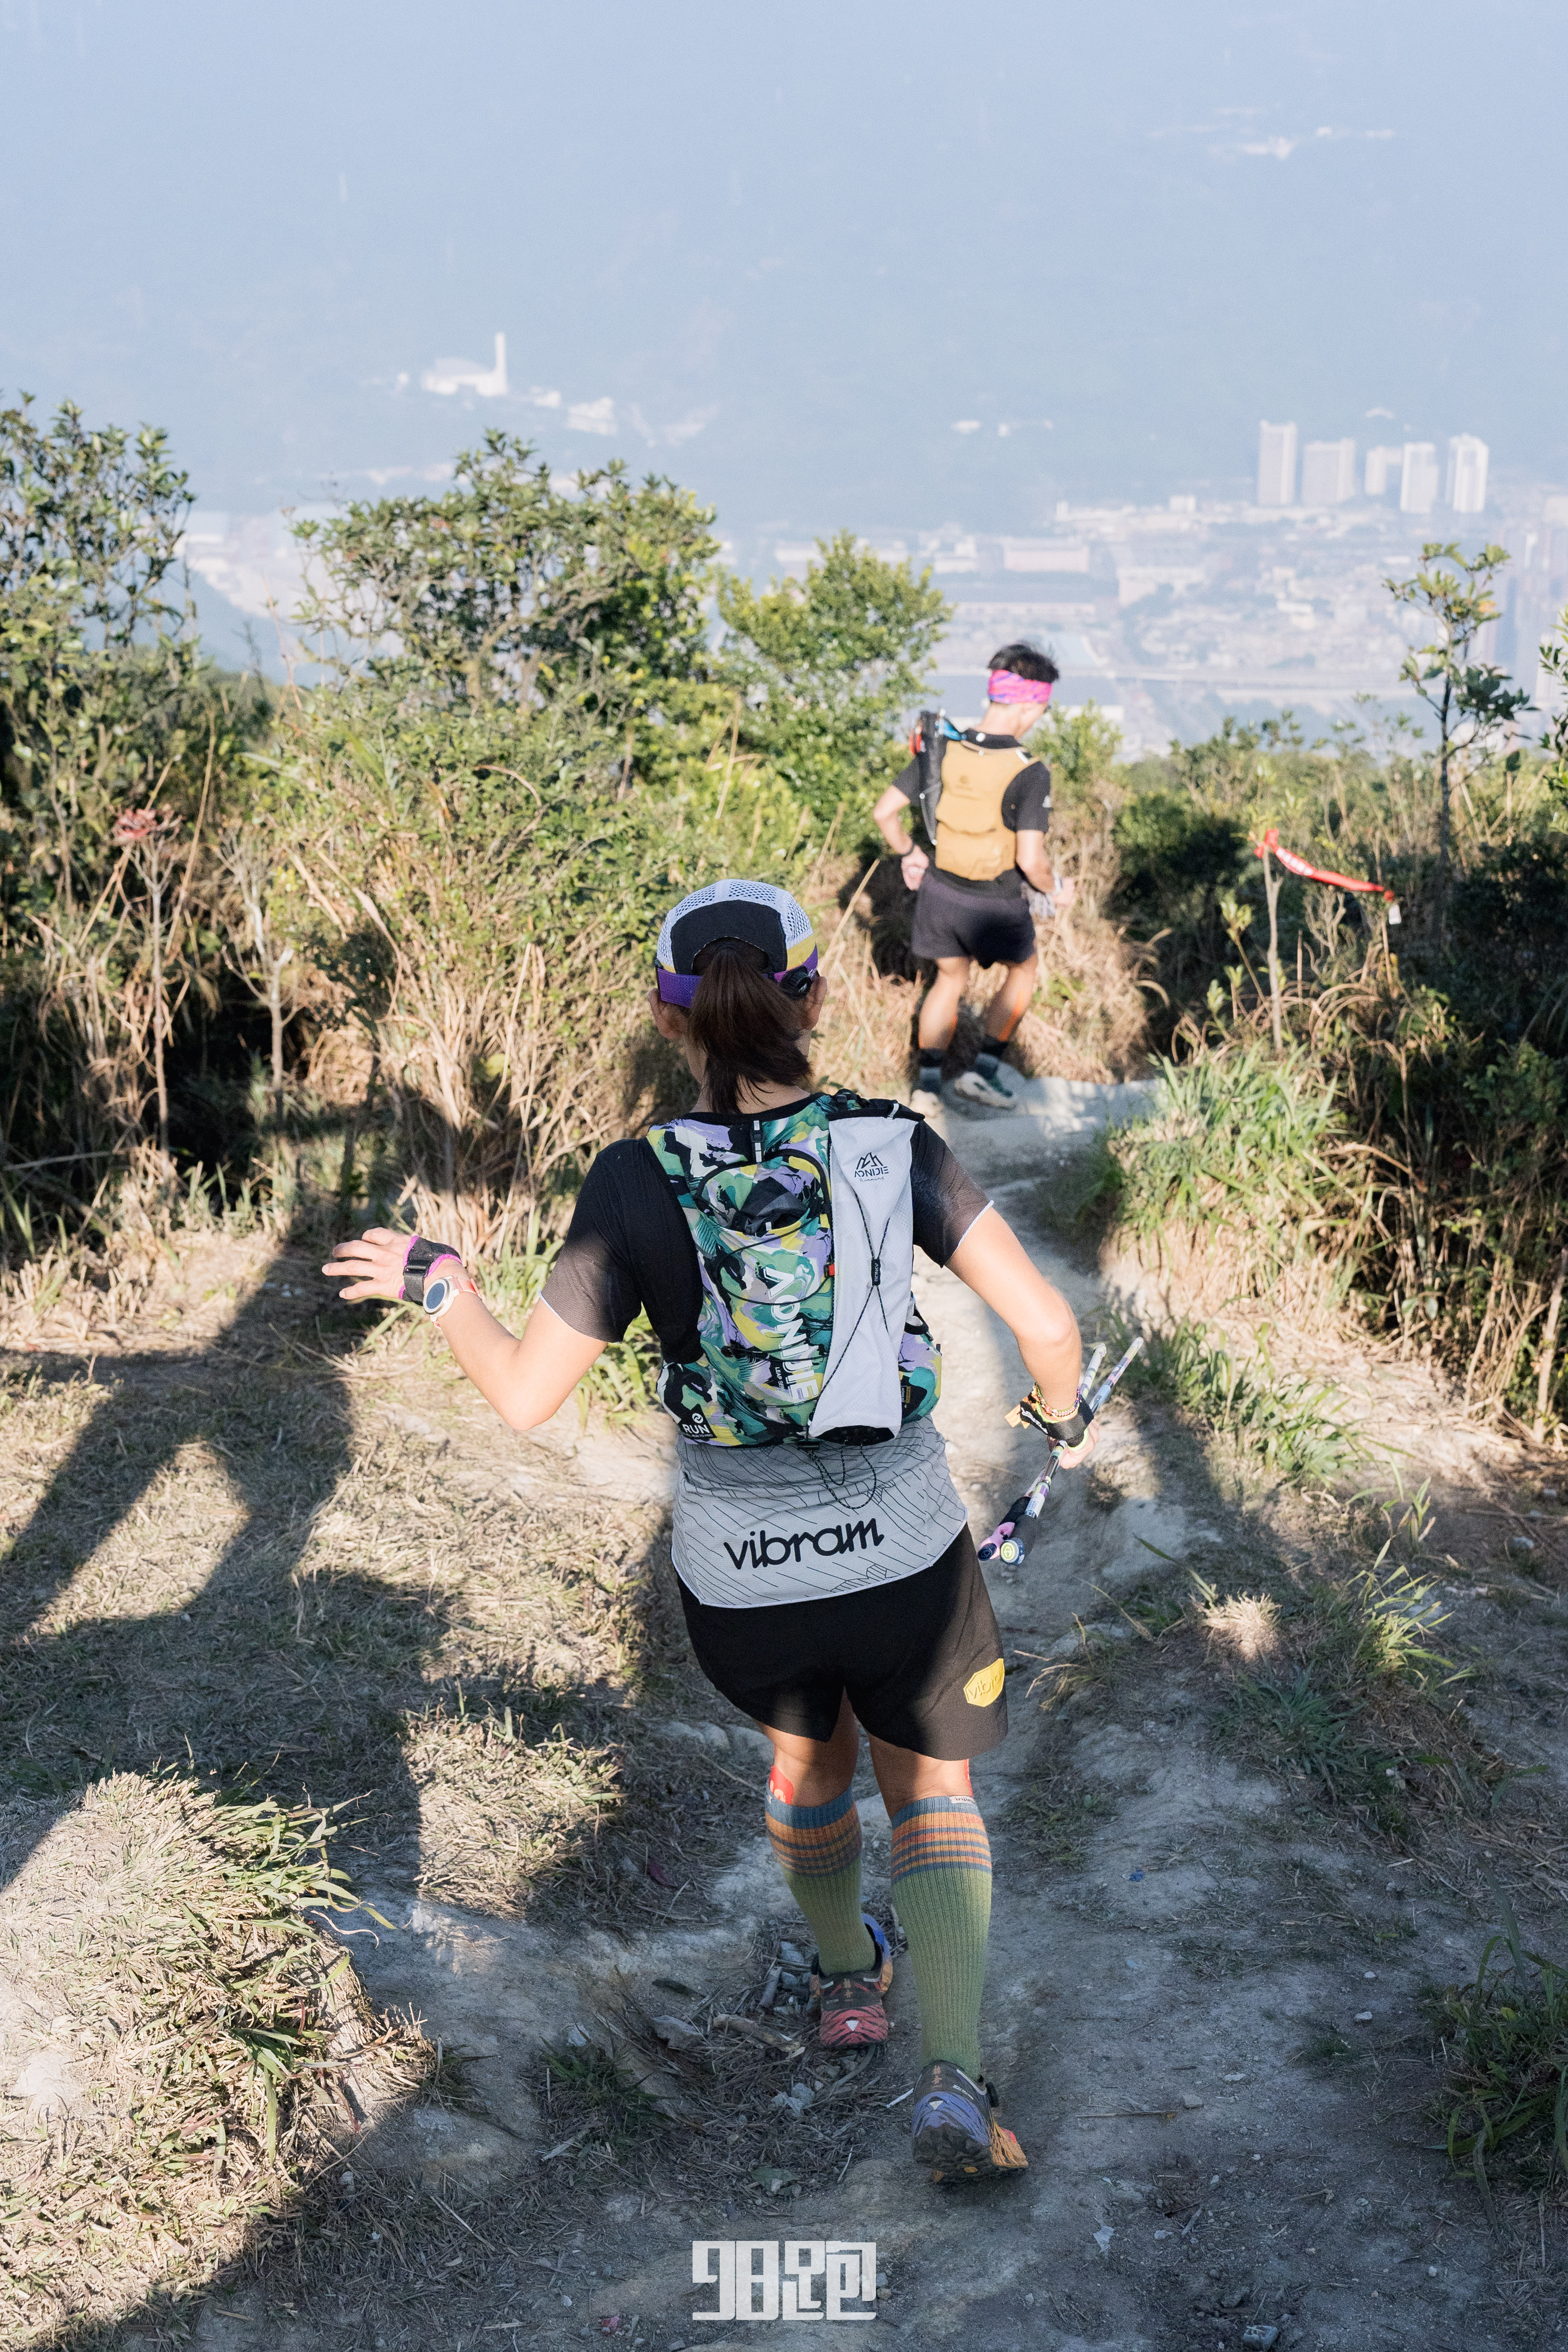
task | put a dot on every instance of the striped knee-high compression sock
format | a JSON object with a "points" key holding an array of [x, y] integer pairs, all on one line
{"points": [[942, 1888], [818, 1847]]}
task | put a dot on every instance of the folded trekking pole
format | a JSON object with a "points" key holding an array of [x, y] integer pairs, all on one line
{"points": [[1010, 1540]]}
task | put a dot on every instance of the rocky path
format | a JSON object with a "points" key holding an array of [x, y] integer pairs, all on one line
{"points": [[1202, 1998], [1158, 1983]]}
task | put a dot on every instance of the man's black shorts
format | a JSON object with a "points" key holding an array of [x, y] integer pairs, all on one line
{"points": [[920, 1659], [987, 926]]}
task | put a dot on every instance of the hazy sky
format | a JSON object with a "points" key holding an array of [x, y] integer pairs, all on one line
{"points": [[799, 243]]}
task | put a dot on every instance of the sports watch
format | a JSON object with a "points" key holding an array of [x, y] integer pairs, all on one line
{"points": [[441, 1287], [433, 1275]]}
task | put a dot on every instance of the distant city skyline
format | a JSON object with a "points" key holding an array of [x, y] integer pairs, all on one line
{"points": [[1329, 472], [764, 255]]}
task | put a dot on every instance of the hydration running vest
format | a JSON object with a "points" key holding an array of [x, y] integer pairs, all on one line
{"points": [[971, 838], [808, 1329]]}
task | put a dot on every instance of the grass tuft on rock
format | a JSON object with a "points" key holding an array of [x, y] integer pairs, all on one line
{"points": [[1505, 2042], [1297, 1428]]}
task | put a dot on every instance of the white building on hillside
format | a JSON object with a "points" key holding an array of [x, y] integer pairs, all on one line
{"points": [[1328, 473], [1418, 481], [468, 375], [1466, 488], [1383, 463], [1276, 464]]}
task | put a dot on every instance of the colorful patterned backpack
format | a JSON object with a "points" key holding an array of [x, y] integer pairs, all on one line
{"points": [[803, 1226]]}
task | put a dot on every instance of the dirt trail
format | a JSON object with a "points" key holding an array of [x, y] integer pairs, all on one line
{"points": [[1202, 1997]]}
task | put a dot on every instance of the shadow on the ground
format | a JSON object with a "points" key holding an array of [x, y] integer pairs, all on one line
{"points": [[279, 1672], [255, 1673]]}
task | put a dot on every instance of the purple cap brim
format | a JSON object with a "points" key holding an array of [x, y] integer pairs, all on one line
{"points": [[681, 987]]}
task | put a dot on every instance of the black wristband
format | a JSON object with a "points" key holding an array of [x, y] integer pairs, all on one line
{"points": [[1066, 1430], [422, 1256]]}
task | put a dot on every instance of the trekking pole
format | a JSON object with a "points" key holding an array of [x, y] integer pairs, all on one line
{"points": [[1003, 1543], [1010, 1540]]}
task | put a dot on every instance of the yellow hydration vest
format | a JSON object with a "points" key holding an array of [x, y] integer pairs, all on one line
{"points": [[971, 838]]}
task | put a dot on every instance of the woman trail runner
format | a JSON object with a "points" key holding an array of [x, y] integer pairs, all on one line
{"points": [[827, 1570]]}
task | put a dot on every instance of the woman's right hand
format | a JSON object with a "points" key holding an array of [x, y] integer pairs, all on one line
{"points": [[373, 1266], [911, 865]]}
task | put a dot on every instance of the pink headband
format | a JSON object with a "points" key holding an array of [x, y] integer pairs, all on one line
{"points": [[1006, 685]]}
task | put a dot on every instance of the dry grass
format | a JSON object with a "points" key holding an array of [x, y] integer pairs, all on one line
{"points": [[186, 2048], [1243, 1625], [498, 1809], [1088, 1019], [1056, 1814], [1333, 1678], [232, 1559]]}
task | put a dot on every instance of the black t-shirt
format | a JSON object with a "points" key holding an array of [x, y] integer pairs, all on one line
{"points": [[1026, 808], [629, 1246]]}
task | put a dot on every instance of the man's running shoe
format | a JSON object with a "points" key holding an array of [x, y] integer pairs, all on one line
{"points": [[852, 2011], [925, 1102], [957, 2132], [989, 1091]]}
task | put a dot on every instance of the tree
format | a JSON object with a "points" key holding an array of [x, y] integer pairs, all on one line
{"points": [[91, 523], [1469, 699], [116, 741], [1554, 742], [826, 667], [1081, 746], [507, 591]]}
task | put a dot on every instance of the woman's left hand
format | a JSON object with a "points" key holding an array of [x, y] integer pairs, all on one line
{"points": [[1073, 1457], [372, 1267]]}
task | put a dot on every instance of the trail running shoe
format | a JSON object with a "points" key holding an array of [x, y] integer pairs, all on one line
{"points": [[989, 1091], [925, 1102], [956, 2131], [852, 2011]]}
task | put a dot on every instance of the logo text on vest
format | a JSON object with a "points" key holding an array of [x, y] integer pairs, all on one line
{"points": [[868, 1168], [827, 1543]]}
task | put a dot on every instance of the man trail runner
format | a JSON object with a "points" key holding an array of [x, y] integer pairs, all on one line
{"points": [[828, 1573], [990, 825]]}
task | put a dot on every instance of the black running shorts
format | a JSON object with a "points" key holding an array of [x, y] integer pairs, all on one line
{"points": [[920, 1659], [987, 926]]}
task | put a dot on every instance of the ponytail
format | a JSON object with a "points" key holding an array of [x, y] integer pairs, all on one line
{"points": [[744, 1025]]}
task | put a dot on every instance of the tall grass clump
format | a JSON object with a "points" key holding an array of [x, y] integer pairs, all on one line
{"points": [[1337, 1682], [1437, 1052], [1235, 1184]]}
